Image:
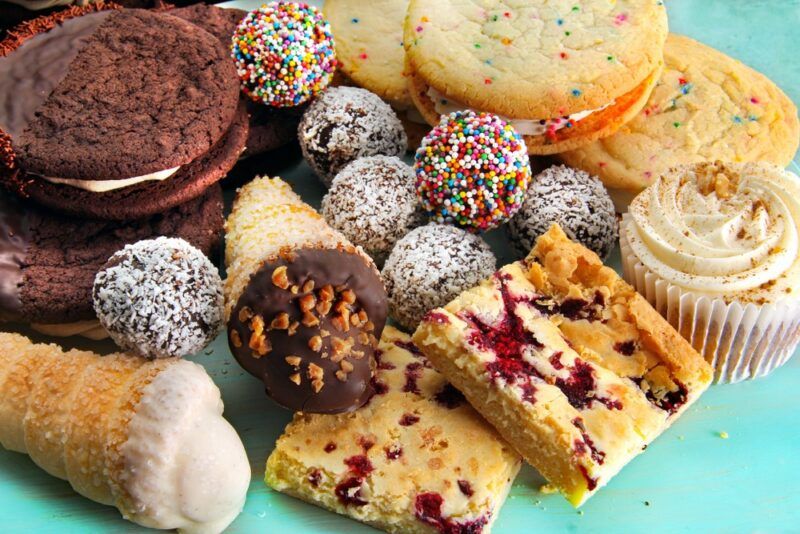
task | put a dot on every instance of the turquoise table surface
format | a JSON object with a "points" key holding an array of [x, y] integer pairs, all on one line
{"points": [[691, 479]]}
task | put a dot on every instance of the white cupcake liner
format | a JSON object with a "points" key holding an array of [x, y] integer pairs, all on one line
{"points": [[741, 341]]}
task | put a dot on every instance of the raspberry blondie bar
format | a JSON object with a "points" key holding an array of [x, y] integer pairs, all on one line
{"points": [[415, 458], [572, 366]]}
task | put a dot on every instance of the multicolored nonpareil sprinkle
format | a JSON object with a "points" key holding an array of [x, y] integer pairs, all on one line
{"points": [[472, 171], [284, 53]]}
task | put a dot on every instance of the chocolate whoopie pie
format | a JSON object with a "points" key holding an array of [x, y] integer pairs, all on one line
{"points": [[270, 128], [116, 114], [48, 262]]}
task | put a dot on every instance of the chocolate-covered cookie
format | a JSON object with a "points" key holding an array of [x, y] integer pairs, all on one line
{"points": [[48, 262], [95, 100], [270, 128]]}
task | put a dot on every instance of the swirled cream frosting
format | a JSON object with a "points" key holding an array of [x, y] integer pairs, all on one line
{"points": [[725, 230]]}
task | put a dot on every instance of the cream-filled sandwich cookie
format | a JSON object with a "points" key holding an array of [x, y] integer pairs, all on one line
{"points": [[562, 73], [707, 106]]}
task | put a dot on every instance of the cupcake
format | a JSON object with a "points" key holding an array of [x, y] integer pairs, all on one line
{"points": [[714, 247]]}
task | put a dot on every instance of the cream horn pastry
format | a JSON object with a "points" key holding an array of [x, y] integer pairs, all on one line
{"points": [[304, 306], [147, 437]]}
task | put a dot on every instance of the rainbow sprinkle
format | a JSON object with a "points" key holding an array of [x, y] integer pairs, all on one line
{"points": [[472, 171], [284, 53]]}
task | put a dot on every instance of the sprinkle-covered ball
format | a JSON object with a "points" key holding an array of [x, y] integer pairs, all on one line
{"points": [[284, 53], [372, 202], [575, 200], [430, 266], [347, 123], [159, 298], [472, 171]]}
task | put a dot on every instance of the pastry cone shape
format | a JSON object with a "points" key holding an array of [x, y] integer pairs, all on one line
{"points": [[147, 437], [304, 307]]}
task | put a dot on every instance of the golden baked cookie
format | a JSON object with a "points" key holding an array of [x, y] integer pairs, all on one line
{"points": [[563, 73], [706, 107], [572, 366], [415, 459]]}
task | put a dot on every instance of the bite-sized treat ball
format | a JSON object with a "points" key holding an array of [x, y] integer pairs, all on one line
{"points": [[372, 202], [159, 298], [347, 123], [575, 200], [430, 266], [472, 171], [284, 53]]}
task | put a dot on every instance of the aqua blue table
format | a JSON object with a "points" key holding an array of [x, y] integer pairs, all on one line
{"points": [[690, 480]]}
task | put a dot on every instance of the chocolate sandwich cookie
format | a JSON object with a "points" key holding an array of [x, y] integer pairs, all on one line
{"points": [[270, 128], [48, 262], [116, 114]]}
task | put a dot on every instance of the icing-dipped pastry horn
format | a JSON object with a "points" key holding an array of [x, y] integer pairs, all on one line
{"points": [[305, 308], [145, 436]]}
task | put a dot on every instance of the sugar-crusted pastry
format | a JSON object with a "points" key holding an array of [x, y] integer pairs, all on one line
{"points": [[563, 73], [416, 458], [145, 436], [567, 361], [715, 248], [706, 106], [304, 306]]}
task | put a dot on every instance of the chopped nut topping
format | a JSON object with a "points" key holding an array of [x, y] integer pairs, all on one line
{"points": [[339, 323], [309, 319], [279, 277], [295, 378], [324, 333], [357, 354], [317, 385], [294, 361], [316, 374], [259, 344], [257, 324], [363, 338], [295, 289], [369, 327], [315, 343], [293, 328], [349, 296], [236, 339], [341, 375], [341, 348], [307, 302], [346, 366], [342, 307], [245, 314], [323, 308], [326, 293], [308, 286], [280, 322]]}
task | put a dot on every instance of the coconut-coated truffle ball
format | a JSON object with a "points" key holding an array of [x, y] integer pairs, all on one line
{"points": [[430, 266], [574, 199], [347, 123], [159, 298], [372, 201]]}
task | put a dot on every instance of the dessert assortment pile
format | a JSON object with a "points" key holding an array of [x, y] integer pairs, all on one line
{"points": [[421, 373]]}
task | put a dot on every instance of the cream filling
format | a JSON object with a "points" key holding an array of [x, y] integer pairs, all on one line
{"points": [[731, 239], [185, 466], [103, 186], [445, 106], [90, 329]]}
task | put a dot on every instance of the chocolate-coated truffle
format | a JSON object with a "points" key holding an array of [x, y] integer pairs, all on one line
{"points": [[372, 201], [430, 266], [159, 298], [575, 200], [346, 123]]}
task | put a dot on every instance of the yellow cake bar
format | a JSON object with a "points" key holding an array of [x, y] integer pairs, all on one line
{"points": [[572, 366], [416, 458]]}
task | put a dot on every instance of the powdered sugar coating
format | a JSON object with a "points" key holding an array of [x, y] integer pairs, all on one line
{"points": [[347, 123], [159, 298], [430, 266], [372, 201], [574, 199]]}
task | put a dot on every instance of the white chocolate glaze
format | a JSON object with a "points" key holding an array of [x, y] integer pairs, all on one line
{"points": [[185, 466], [727, 230]]}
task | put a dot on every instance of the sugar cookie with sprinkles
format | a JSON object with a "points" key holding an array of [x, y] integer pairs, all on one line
{"points": [[284, 53], [564, 73], [707, 106], [472, 171]]}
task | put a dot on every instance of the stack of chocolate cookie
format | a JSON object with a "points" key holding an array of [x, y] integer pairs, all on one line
{"points": [[115, 126]]}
